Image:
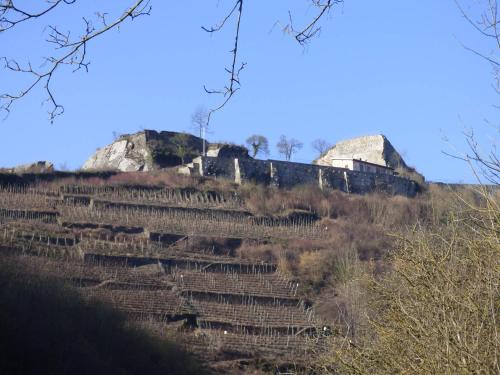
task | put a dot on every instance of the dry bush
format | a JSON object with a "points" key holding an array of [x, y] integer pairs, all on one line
{"points": [[268, 253], [344, 305], [370, 241], [310, 198], [412, 174], [379, 209], [436, 312], [312, 266], [322, 268], [321, 263], [389, 212], [287, 263], [262, 200], [444, 199]]}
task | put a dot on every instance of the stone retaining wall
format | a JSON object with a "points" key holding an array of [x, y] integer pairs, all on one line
{"points": [[288, 174]]}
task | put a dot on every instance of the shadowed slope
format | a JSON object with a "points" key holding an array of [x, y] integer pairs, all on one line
{"points": [[47, 328]]}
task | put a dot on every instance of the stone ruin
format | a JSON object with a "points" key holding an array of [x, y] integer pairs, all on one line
{"points": [[150, 150], [375, 149]]}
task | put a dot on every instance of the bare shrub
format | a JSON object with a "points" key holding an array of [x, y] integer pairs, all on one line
{"points": [[436, 312], [261, 199], [383, 210], [268, 253], [412, 174], [328, 267], [312, 266]]}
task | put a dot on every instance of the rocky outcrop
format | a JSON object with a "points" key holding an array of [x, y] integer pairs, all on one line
{"points": [[128, 153], [145, 151], [37, 167], [373, 148]]}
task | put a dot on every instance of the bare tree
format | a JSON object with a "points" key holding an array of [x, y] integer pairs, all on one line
{"points": [[321, 145], [484, 18], [302, 36], [71, 51], [71, 46], [288, 147], [199, 121], [258, 144]]}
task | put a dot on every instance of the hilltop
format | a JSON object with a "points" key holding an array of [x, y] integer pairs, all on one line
{"points": [[149, 150], [361, 165]]}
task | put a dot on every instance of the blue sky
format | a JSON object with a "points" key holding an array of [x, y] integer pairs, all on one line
{"points": [[391, 67]]}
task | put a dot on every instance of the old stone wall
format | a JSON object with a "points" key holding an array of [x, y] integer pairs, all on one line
{"points": [[258, 171], [288, 174], [334, 178], [218, 167]]}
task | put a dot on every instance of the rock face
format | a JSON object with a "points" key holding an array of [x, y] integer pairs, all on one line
{"points": [[373, 148], [128, 153], [145, 151]]}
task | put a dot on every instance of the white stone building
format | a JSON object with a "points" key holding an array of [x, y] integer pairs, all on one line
{"points": [[372, 153], [360, 166]]}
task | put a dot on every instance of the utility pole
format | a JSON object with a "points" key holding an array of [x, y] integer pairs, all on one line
{"points": [[204, 142]]}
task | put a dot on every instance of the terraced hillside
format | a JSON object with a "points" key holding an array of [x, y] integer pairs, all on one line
{"points": [[167, 258]]}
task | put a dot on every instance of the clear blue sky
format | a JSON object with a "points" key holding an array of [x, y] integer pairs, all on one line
{"points": [[391, 67]]}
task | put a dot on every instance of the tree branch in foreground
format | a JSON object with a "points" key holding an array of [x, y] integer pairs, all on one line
{"points": [[74, 51]]}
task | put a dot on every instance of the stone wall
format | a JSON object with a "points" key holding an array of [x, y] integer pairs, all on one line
{"points": [[288, 174], [258, 171], [218, 167]]}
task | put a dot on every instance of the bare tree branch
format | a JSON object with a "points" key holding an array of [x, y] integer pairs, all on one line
{"points": [[487, 163], [234, 71], [303, 35], [321, 146], [74, 54], [73, 51], [486, 22], [11, 15]]}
